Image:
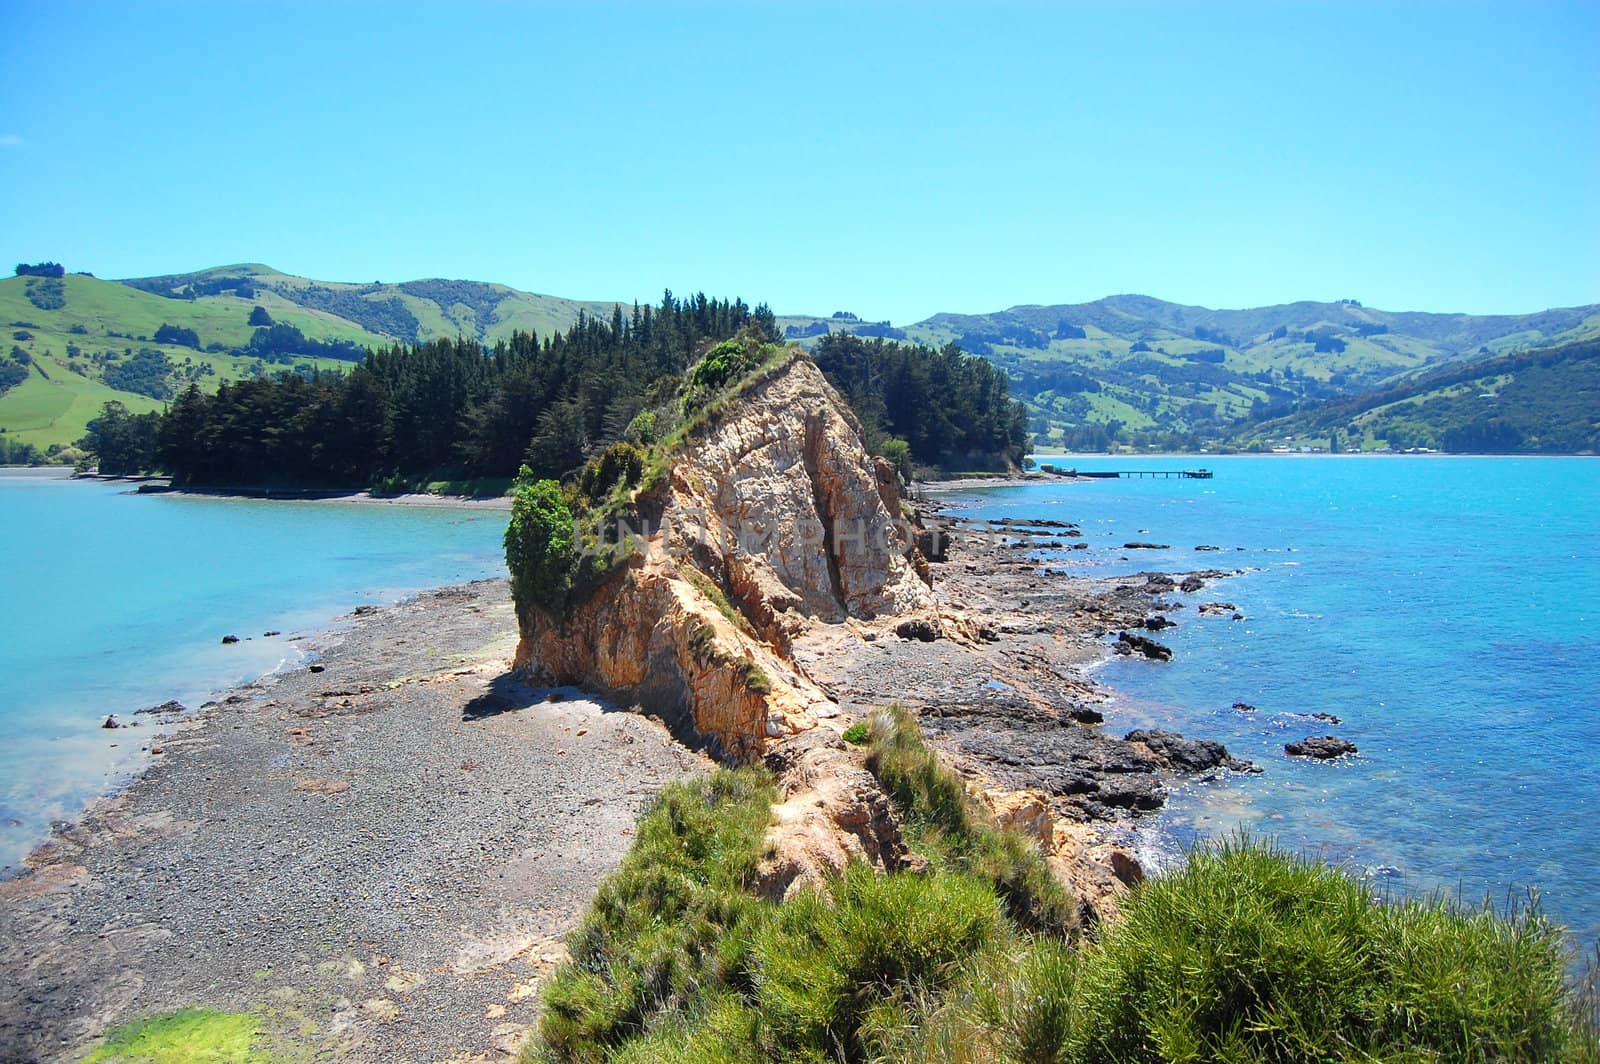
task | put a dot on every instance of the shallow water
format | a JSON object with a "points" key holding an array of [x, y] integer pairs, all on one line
{"points": [[115, 601], [1444, 608]]}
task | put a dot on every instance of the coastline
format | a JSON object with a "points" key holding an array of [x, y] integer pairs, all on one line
{"points": [[331, 495], [389, 849], [250, 828]]}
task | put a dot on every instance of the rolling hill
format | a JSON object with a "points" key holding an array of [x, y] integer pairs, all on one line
{"points": [[1530, 402], [1133, 368], [76, 342], [410, 311], [1124, 369]]}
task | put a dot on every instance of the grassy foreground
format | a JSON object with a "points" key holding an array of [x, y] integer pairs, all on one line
{"points": [[1249, 954]]}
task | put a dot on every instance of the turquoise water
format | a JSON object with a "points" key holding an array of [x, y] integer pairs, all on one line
{"points": [[114, 601], [1445, 608]]}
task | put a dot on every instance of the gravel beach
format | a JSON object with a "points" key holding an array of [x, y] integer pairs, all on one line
{"points": [[381, 858]]}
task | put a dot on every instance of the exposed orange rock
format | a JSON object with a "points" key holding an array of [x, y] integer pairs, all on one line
{"points": [[782, 510]]}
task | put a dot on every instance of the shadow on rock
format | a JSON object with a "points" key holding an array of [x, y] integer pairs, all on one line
{"points": [[507, 692]]}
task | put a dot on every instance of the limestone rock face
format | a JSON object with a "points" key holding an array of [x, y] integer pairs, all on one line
{"points": [[785, 503], [779, 512]]}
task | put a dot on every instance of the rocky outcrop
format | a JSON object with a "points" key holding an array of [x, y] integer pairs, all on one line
{"points": [[1127, 643], [1320, 747], [832, 812], [1191, 756], [775, 520]]}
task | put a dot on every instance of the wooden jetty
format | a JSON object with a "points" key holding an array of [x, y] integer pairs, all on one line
{"points": [[1130, 474]]}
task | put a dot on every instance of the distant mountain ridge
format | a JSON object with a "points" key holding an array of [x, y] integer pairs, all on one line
{"points": [[1135, 369]]}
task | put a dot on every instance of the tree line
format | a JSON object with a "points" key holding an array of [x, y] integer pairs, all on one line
{"points": [[456, 409], [951, 409], [447, 408]]}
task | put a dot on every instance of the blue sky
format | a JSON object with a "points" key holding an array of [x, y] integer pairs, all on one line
{"points": [[893, 159]]}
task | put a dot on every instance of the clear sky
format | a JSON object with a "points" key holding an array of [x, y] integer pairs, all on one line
{"points": [[893, 159]]}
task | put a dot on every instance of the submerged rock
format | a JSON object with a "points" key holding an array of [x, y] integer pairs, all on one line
{"points": [[173, 706], [112, 722], [1155, 622], [1320, 747], [1141, 545], [228, 640]]}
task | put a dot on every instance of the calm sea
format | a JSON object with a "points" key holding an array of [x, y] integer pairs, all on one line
{"points": [[1445, 609], [114, 601]]}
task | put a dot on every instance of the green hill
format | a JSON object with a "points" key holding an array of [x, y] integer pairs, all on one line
{"points": [[410, 311], [76, 342], [1124, 369], [1531, 402], [1135, 369]]}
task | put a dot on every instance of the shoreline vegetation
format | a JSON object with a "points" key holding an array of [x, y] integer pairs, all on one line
{"points": [[1247, 953]]}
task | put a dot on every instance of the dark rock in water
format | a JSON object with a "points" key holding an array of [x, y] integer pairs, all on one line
{"points": [[1321, 747], [229, 639], [1086, 715], [1155, 622], [1080, 546], [1156, 583], [112, 722], [1238, 616], [1207, 546], [269, 635], [173, 706], [1189, 755], [1128, 643], [1141, 545], [1191, 584], [1244, 707], [1217, 609], [917, 628], [934, 544], [363, 611], [1329, 717]]}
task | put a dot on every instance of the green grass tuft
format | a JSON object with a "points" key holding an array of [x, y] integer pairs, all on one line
{"points": [[948, 826], [672, 925], [857, 734], [189, 1036]]}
